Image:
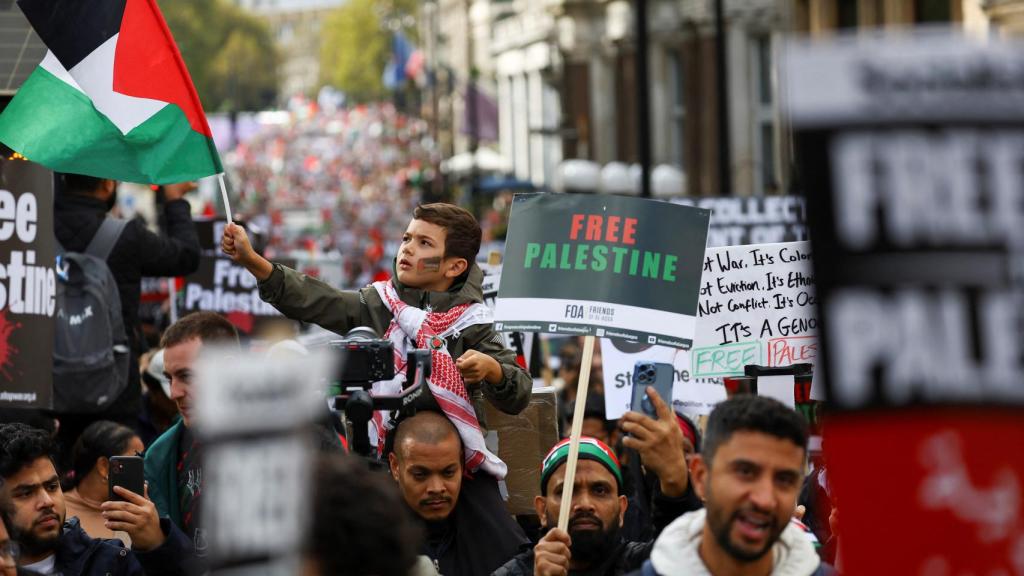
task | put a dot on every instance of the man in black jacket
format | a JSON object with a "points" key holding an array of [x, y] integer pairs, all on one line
{"points": [[468, 529], [79, 208], [53, 544], [593, 545]]}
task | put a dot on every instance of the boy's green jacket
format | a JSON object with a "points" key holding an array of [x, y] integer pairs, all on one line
{"points": [[301, 297]]}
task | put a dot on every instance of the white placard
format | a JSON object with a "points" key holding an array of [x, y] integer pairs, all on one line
{"points": [[252, 415], [239, 392], [690, 395], [778, 387], [757, 306]]}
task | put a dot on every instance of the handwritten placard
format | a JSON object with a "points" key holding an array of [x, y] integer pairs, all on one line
{"points": [[757, 306]]}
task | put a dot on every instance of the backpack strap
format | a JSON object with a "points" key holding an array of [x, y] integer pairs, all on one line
{"points": [[103, 242]]}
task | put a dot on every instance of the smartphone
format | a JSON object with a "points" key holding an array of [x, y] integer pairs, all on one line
{"points": [[127, 472], [660, 375]]}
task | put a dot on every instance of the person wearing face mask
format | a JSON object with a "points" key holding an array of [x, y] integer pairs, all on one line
{"points": [[81, 204]]}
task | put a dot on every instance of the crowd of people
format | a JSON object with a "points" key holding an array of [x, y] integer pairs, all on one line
{"points": [[653, 493], [350, 176]]}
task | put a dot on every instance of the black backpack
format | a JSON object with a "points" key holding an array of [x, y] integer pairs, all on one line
{"points": [[90, 343]]}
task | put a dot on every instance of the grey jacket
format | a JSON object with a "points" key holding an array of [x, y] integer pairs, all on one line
{"points": [[301, 297]]}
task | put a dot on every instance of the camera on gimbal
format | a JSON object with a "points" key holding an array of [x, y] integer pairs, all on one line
{"points": [[363, 359]]}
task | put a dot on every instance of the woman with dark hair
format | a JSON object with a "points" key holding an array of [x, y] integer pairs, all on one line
{"points": [[86, 483]]}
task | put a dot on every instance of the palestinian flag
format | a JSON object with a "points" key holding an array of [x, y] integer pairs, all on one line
{"points": [[112, 98]]}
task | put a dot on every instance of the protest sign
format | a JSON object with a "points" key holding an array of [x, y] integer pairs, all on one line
{"points": [[689, 394], [28, 284], [521, 441], [737, 221], [220, 285], [602, 266], [757, 306], [252, 416], [519, 342], [913, 146]]}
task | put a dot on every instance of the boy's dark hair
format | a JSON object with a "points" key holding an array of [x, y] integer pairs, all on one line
{"points": [[101, 439], [20, 445], [207, 326], [746, 412], [462, 231], [360, 523], [79, 183]]}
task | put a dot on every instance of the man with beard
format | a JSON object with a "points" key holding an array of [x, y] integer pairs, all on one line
{"points": [[749, 474], [593, 545], [51, 545], [468, 530]]}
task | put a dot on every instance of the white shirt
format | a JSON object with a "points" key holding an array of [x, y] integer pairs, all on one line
{"points": [[46, 566]]}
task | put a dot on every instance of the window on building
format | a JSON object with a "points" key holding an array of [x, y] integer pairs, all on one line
{"points": [[576, 106], [846, 14], [765, 149], [677, 114], [625, 106], [933, 11]]}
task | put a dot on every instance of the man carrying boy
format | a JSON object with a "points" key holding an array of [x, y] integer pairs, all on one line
{"points": [[434, 301]]}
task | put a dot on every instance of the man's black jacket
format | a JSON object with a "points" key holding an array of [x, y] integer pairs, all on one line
{"points": [[478, 536], [80, 555], [626, 556], [139, 252]]}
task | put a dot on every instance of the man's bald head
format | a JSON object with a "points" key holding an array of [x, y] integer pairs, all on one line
{"points": [[424, 428]]}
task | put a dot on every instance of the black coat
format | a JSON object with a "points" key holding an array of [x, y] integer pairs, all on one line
{"points": [[138, 252], [80, 555]]}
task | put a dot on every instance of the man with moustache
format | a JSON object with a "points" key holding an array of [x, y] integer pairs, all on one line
{"points": [[593, 545], [465, 534], [51, 543], [749, 473]]}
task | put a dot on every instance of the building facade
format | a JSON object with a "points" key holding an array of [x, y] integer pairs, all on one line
{"points": [[564, 74], [295, 25]]}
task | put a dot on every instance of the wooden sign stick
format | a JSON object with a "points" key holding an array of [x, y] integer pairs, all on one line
{"points": [[577, 431]]}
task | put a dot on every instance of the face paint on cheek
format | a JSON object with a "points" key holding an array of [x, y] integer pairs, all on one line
{"points": [[429, 264]]}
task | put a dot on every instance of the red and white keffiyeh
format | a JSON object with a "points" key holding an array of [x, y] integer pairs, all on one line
{"points": [[428, 330]]}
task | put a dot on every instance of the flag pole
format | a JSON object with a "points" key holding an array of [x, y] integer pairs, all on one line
{"points": [[224, 196], [577, 431]]}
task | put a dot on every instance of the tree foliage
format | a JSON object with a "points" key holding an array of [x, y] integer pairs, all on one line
{"points": [[356, 45], [229, 52]]}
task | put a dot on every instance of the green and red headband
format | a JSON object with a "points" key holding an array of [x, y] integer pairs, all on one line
{"points": [[590, 449]]}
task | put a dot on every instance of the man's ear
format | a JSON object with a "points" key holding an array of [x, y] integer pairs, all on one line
{"points": [[453, 267], [393, 463], [623, 504], [699, 475], [540, 504]]}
